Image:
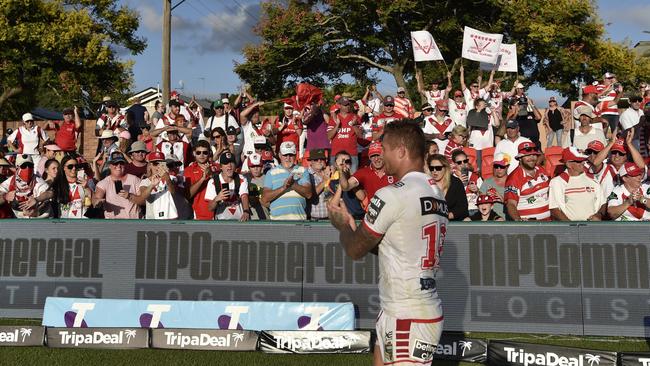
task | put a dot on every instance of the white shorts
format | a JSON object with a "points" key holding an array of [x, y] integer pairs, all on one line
{"points": [[407, 341]]}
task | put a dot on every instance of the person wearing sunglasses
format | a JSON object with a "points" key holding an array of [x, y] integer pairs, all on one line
{"points": [[464, 171], [69, 193], [197, 175], [67, 131], [619, 152], [370, 178], [630, 201], [118, 192], [526, 192], [156, 191], [403, 105], [20, 190], [585, 133], [496, 184], [452, 187]]}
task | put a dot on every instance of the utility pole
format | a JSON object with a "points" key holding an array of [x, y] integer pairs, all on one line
{"points": [[166, 46]]}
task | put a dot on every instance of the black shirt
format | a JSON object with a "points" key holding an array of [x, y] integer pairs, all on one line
{"points": [[457, 199], [477, 216], [554, 119]]}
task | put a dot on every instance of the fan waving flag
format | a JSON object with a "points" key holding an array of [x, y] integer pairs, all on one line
{"points": [[306, 94], [507, 59], [480, 46], [424, 47]]}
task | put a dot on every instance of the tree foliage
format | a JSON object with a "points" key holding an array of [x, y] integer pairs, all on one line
{"points": [[51, 49], [558, 44]]}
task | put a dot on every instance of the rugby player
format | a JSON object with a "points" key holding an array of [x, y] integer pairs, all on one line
{"points": [[405, 225]]}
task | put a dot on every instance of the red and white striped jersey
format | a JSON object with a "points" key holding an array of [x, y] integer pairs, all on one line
{"points": [[111, 123], [606, 103], [404, 106], [606, 177], [531, 193], [636, 212]]}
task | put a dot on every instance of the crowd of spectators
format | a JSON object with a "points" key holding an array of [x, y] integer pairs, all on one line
{"points": [[484, 153]]}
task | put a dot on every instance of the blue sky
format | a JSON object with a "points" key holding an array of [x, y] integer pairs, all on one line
{"points": [[207, 37]]}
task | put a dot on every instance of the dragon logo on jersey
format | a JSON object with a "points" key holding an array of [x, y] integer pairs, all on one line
{"points": [[376, 205], [613, 196], [531, 200]]}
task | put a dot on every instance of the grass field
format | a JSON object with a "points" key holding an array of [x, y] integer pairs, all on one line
{"points": [[68, 357]]}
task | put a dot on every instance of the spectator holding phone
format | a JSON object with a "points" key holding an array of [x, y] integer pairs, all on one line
{"points": [[227, 192], [69, 192], [118, 190], [157, 190]]}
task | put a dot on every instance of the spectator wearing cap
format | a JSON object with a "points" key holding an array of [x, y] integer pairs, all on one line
{"points": [[554, 122], [523, 110], [440, 170], [253, 127], [435, 94], [573, 195], [20, 190], [403, 105], [601, 171], [343, 130], [352, 198], [287, 187], [510, 144], [50, 150], [221, 118], [112, 120], [255, 177], [485, 210], [138, 159], [495, 185], [630, 119], [526, 192], [233, 145], [227, 192], [437, 127], [118, 192], [197, 175], [157, 190], [259, 146], [172, 120], [315, 122], [287, 127], [618, 151], [174, 146], [457, 140], [373, 100], [175, 97], [28, 138], [426, 110], [319, 174], [609, 92], [458, 109], [370, 178], [388, 115], [463, 170], [67, 130], [586, 132], [629, 201], [6, 172], [589, 99]]}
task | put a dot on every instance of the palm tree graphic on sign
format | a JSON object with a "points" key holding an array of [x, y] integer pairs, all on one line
{"points": [[592, 359], [25, 332], [237, 337], [130, 333], [465, 346]]}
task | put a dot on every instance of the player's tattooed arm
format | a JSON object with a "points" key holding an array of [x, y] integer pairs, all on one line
{"points": [[359, 242]]}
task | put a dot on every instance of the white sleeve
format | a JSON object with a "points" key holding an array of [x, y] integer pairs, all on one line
{"points": [[383, 210], [4, 187], [210, 191], [243, 187], [159, 124], [556, 194], [615, 198], [143, 183], [11, 138]]}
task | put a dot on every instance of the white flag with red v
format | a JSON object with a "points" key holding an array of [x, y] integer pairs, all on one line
{"points": [[481, 46], [424, 47]]}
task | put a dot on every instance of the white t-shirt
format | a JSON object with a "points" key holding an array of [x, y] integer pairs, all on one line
{"points": [[577, 197], [635, 212], [410, 216], [458, 113], [232, 208], [28, 139], [160, 204], [630, 118], [214, 122]]}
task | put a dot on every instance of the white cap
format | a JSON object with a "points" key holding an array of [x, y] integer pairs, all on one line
{"points": [[287, 105], [609, 75], [23, 158], [225, 100], [28, 117], [254, 159], [519, 86], [401, 89], [287, 147], [259, 140]]}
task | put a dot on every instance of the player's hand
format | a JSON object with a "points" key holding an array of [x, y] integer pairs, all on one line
{"points": [[338, 212]]}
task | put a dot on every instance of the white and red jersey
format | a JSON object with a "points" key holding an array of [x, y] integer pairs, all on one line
{"points": [[404, 106], [250, 131], [472, 196], [636, 212], [106, 122], [410, 217], [74, 209], [179, 149], [434, 95], [470, 97], [160, 204], [606, 177], [530, 193], [27, 140], [435, 125], [606, 104], [378, 122], [578, 197], [458, 112], [167, 120], [231, 209], [576, 116]]}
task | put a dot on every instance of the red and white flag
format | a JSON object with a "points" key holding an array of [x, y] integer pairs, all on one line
{"points": [[507, 59], [424, 47], [480, 46]]}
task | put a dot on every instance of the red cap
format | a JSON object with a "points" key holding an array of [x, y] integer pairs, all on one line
{"points": [[484, 198], [442, 105], [458, 93], [619, 146], [590, 89], [630, 169], [595, 145], [155, 156], [526, 148], [571, 153], [375, 149], [173, 93], [267, 155]]}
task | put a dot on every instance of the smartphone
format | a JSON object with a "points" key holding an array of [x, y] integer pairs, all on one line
{"points": [[118, 186], [225, 186], [464, 171], [81, 175]]}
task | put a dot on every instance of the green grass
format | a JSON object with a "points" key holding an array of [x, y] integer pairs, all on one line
{"points": [[68, 357]]}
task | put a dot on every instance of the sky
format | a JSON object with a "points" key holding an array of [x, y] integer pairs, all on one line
{"points": [[208, 35]]}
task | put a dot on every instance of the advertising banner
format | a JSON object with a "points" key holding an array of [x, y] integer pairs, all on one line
{"points": [[456, 347], [21, 335], [204, 339], [634, 359], [504, 353], [112, 338], [76, 312], [315, 341]]}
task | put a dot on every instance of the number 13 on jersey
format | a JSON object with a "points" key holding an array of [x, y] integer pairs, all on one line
{"points": [[434, 236]]}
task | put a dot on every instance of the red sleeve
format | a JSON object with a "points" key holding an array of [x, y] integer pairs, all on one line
{"points": [[276, 123], [512, 189], [159, 146], [359, 176]]}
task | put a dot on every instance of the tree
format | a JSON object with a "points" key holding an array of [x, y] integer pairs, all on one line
{"points": [[558, 44], [51, 49]]}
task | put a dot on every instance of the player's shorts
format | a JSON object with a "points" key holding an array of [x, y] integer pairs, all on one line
{"points": [[407, 341]]}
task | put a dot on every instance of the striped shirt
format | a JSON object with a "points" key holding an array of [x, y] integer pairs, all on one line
{"points": [[290, 205], [531, 193]]}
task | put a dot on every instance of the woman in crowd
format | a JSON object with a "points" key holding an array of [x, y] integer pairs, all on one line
{"points": [[70, 193], [452, 187]]}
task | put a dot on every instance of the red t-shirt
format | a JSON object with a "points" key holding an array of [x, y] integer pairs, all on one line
{"points": [[66, 135], [193, 174], [345, 138], [290, 133], [378, 122], [370, 180]]}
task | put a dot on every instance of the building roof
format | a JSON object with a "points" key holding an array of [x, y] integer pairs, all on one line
{"points": [[642, 48]]}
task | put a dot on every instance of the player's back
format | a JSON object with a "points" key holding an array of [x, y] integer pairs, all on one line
{"points": [[412, 217]]}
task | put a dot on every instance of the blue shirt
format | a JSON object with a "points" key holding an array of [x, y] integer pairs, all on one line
{"points": [[290, 205]]}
